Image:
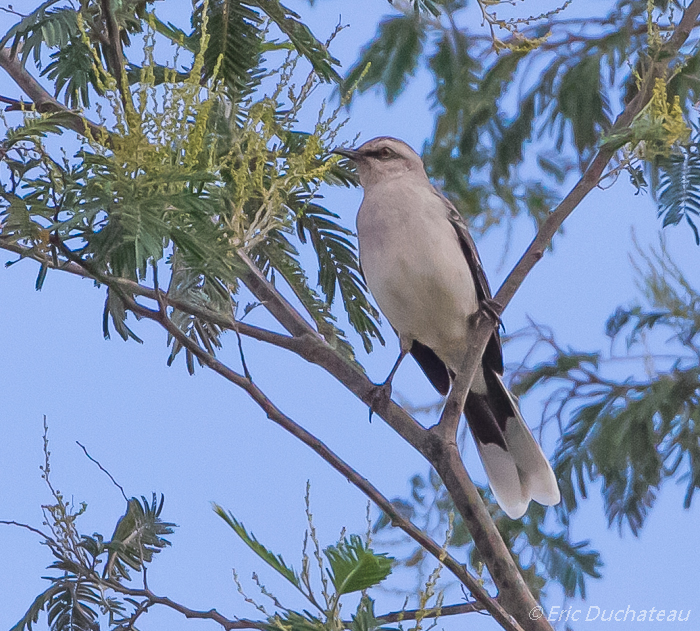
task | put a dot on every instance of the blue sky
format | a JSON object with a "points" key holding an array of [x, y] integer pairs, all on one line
{"points": [[198, 439]]}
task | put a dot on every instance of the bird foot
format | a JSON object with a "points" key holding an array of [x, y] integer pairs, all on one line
{"points": [[378, 394], [492, 310]]}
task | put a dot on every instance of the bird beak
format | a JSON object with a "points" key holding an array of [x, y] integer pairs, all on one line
{"points": [[351, 154]]}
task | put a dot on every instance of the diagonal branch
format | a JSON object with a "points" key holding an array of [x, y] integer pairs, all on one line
{"points": [[160, 316], [310, 346], [364, 485], [44, 102]]}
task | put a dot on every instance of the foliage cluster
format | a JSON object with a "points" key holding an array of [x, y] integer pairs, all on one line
{"points": [[504, 110], [648, 421], [194, 164], [92, 575]]}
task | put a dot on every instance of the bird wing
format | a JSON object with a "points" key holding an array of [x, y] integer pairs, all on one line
{"points": [[483, 291], [493, 355], [433, 367]]}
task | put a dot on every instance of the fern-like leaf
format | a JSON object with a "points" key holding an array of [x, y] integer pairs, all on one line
{"points": [[275, 561], [139, 535], [53, 28], [73, 68], [301, 38], [679, 189], [279, 255], [235, 34], [195, 289], [38, 605], [338, 266]]}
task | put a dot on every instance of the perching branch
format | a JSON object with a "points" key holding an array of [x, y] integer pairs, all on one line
{"points": [[443, 454], [277, 416], [310, 346], [126, 290]]}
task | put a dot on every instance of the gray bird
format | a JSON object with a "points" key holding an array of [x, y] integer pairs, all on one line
{"points": [[424, 271]]}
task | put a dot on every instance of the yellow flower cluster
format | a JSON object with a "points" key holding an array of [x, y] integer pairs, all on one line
{"points": [[661, 126], [669, 115]]}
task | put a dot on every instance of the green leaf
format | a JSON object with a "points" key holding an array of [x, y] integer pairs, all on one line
{"points": [[196, 289], [391, 58], [338, 266], [73, 68], [38, 605], [301, 38], [36, 127], [278, 254], [679, 189], [44, 26], [364, 619], [234, 28], [557, 369], [582, 103], [570, 563], [355, 567], [115, 310], [275, 561], [69, 607], [138, 536]]}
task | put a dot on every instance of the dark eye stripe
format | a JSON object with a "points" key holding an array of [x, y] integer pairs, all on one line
{"points": [[380, 153]]}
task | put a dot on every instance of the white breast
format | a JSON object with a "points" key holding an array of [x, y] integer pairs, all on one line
{"points": [[415, 268]]}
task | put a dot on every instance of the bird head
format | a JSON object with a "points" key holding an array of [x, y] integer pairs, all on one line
{"points": [[382, 159]]}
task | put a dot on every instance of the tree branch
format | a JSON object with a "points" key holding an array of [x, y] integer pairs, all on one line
{"points": [[446, 458], [211, 614], [7, 522], [45, 103], [115, 54], [245, 623], [126, 290], [314, 349], [277, 416], [447, 610]]}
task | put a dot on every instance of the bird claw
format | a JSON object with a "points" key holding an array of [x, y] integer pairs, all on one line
{"points": [[492, 310], [379, 393]]}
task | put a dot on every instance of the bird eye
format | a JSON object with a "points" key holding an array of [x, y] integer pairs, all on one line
{"points": [[385, 153]]}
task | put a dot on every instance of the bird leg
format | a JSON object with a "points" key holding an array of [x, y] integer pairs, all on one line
{"points": [[383, 389]]}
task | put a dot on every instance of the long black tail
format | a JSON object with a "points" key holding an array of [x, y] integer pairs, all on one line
{"points": [[517, 469]]}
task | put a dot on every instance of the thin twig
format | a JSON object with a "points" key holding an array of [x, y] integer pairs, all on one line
{"points": [[109, 475], [9, 522]]}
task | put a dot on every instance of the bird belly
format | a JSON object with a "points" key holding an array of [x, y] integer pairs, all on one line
{"points": [[420, 279]]}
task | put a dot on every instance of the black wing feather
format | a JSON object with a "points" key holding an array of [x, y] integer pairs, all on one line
{"points": [[493, 356], [433, 367]]}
